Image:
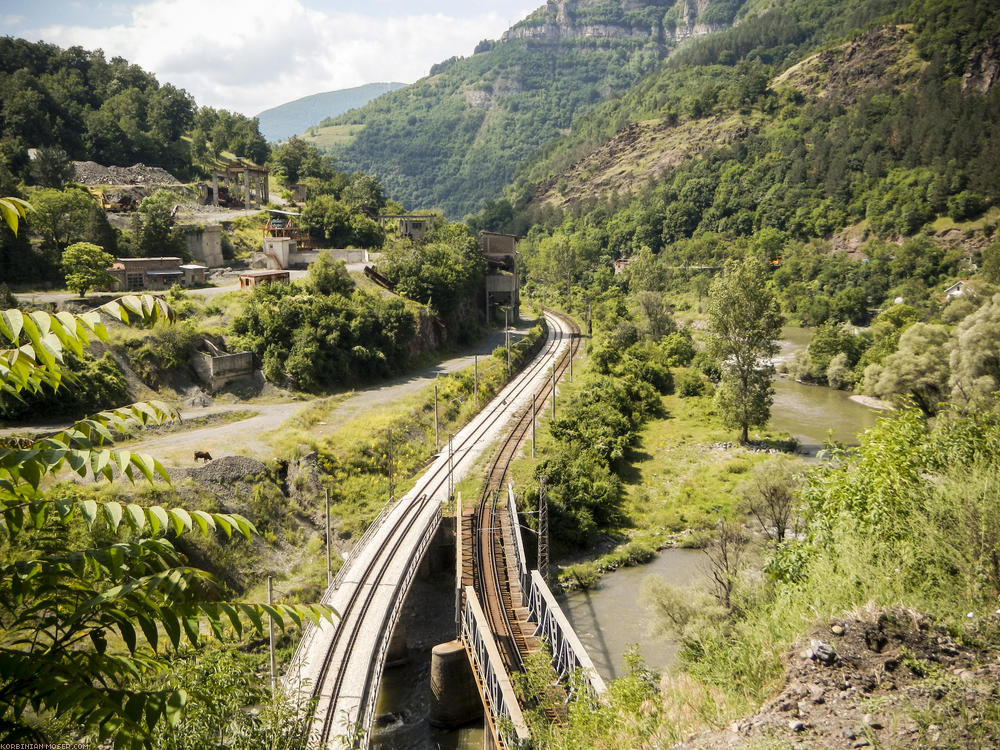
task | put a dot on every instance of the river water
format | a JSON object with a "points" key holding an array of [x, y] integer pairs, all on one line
{"points": [[814, 414]]}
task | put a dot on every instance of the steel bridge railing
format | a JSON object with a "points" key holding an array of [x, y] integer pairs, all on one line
{"points": [[568, 652], [504, 713]]}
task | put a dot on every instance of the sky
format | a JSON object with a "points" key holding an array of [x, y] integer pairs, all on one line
{"points": [[250, 55]]}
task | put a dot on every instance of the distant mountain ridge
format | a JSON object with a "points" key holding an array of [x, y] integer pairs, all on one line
{"points": [[295, 117], [455, 139]]}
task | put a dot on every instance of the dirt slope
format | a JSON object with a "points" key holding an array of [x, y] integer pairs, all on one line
{"points": [[877, 678]]}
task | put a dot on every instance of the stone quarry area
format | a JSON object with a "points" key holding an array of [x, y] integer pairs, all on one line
{"points": [[877, 679], [92, 173]]}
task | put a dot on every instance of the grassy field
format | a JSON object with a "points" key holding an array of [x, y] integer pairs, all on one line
{"points": [[331, 135]]}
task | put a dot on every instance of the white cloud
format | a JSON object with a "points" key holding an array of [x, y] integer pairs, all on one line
{"points": [[249, 55]]}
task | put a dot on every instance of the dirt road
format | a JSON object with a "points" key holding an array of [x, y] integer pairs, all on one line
{"points": [[246, 437]]}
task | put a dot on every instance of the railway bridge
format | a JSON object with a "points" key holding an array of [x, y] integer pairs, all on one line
{"points": [[340, 664]]}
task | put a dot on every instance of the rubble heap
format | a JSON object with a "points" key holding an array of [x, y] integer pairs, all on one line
{"points": [[92, 173]]}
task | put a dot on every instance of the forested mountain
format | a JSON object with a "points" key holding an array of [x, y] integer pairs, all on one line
{"points": [[453, 140], [294, 118], [851, 125], [107, 111], [811, 106]]}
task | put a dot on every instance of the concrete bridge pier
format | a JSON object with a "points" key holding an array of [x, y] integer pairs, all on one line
{"points": [[399, 652], [455, 697]]}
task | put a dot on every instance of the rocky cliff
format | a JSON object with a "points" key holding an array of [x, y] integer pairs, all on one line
{"points": [[562, 20]]}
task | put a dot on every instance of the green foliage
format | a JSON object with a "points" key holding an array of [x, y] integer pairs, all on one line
{"points": [[596, 432], [155, 235], [295, 159], [163, 351], [327, 276], [221, 684], [51, 167], [445, 272], [98, 383], [455, 139], [319, 340], [917, 371], [64, 608], [63, 217], [335, 222], [86, 266], [975, 369], [744, 325]]}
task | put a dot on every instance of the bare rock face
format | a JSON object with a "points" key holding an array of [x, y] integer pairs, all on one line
{"points": [[560, 23], [983, 70]]}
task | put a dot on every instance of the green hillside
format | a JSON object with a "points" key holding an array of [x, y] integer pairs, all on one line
{"points": [[806, 119], [294, 118], [453, 140]]}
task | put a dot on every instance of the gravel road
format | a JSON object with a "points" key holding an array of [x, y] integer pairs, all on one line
{"points": [[246, 437]]}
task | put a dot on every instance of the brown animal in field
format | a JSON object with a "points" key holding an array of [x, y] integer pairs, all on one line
{"points": [[205, 455]]}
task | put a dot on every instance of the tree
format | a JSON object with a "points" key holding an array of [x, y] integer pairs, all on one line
{"points": [[328, 276], [744, 324], [51, 167], [86, 266], [60, 605], [656, 311], [62, 217], [156, 236], [771, 495], [975, 359], [917, 370], [364, 193]]}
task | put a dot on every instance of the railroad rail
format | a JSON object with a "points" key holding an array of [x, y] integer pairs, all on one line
{"points": [[340, 664], [491, 567]]}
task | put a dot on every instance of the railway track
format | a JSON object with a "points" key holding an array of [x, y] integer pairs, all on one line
{"points": [[340, 664], [489, 561]]}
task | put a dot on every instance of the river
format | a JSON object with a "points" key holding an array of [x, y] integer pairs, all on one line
{"points": [[814, 414], [610, 617]]}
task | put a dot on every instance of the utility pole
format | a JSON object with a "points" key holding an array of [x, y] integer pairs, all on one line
{"points": [[543, 528], [270, 636], [458, 566], [475, 382], [533, 425], [329, 568], [506, 337], [553, 391], [437, 441], [391, 488], [451, 468]]}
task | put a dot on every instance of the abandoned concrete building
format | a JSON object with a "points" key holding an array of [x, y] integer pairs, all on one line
{"points": [[204, 243], [241, 184], [410, 226], [215, 367], [250, 279], [156, 274], [502, 275]]}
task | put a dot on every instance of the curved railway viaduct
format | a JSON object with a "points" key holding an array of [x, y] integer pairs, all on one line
{"points": [[340, 664]]}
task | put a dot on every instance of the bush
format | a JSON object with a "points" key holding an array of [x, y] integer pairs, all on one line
{"points": [[689, 383], [966, 205], [165, 350], [101, 385]]}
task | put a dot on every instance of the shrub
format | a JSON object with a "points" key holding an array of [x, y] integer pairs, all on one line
{"points": [[689, 383]]}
